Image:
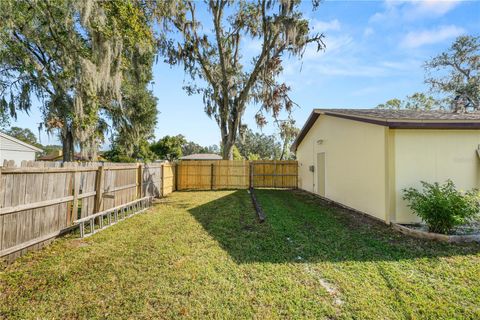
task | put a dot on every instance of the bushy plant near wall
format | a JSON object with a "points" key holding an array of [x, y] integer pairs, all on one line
{"points": [[442, 207]]}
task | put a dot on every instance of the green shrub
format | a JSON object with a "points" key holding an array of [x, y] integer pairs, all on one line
{"points": [[442, 207]]}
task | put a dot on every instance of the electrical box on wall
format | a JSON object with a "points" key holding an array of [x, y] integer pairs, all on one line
{"points": [[311, 168]]}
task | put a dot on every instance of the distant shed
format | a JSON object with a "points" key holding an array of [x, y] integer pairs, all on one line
{"points": [[14, 149], [364, 158]]}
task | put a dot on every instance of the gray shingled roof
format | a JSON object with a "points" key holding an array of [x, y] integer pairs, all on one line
{"points": [[202, 156], [402, 115]]}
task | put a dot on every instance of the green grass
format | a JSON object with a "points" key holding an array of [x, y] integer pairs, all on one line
{"points": [[204, 255]]}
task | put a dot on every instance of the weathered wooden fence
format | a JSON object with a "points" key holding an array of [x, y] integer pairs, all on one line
{"points": [[226, 174], [40, 200]]}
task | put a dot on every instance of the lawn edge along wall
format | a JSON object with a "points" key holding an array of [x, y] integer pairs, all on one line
{"points": [[420, 234], [40, 201], [413, 233]]}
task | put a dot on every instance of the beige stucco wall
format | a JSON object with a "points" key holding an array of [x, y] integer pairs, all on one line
{"points": [[355, 163], [433, 156]]}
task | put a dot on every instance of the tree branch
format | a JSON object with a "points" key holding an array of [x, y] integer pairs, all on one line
{"points": [[217, 10]]}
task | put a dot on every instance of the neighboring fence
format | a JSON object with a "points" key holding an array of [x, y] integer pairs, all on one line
{"points": [[40, 200], [226, 174]]}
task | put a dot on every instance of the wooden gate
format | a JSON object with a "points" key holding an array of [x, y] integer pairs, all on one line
{"points": [[274, 174]]}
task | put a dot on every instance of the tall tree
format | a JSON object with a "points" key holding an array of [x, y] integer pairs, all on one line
{"points": [[288, 133], [49, 149], [416, 101], [461, 84], [4, 117], [31, 57], [232, 82], [139, 152], [70, 54], [169, 147], [135, 122], [190, 147], [258, 145], [26, 135]]}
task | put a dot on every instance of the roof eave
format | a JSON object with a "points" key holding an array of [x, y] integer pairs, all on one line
{"points": [[410, 124], [306, 127], [6, 136], [391, 123]]}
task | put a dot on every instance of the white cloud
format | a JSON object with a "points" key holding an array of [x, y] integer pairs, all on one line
{"points": [[365, 91], [414, 9], [349, 68], [402, 65], [322, 26], [368, 32], [415, 39], [345, 63], [333, 44], [435, 7]]}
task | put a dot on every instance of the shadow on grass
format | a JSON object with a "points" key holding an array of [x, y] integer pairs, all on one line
{"points": [[303, 228]]}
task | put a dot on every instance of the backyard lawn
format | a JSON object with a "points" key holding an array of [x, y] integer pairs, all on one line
{"points": [[204, 255]]}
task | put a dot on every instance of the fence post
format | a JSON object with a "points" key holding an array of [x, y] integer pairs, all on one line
{"points": [[162, 180], [296, 175], [1, 184], [251, 174], [211, 176], [274, 173], [76, 191], [99, 189], [176, 176], [139, 181]]}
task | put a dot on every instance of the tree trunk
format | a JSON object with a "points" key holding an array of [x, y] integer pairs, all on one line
{"points": [[67, 145], [227, 151], [283, 153], [229, 125]]}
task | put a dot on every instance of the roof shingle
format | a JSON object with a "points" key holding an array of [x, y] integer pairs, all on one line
{"points": [[403, 115]]}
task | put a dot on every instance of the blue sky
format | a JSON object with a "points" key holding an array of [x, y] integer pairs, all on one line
{"points": [[375, 51]]}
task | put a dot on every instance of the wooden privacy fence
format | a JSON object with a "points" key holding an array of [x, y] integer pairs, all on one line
{"points": [[227, 174], [40, 200]]}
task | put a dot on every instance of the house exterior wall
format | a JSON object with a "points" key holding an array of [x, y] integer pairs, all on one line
{"points": [[355, 163], [433, 156], [10, 150]]}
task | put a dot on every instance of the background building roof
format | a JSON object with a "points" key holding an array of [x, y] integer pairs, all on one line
{"points": [[202, 156]]}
